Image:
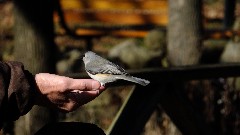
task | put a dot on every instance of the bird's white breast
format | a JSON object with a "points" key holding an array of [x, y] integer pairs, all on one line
{"points": [[103, 78]]}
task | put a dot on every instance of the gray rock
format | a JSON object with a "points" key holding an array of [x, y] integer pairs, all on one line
{"points": [[66, 65], [132, 54], [231, 52]]}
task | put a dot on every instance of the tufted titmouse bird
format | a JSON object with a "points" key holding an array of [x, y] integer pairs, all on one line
{"points": [[105, 71]]}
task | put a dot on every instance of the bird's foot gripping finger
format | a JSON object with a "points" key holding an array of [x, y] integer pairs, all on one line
{"points": [[102, 84]]}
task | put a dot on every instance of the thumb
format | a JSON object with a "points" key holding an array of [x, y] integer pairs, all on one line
{"points": [[85, 85]]}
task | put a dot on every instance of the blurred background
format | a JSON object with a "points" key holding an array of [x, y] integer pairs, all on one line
{"points": [[50, 36]]}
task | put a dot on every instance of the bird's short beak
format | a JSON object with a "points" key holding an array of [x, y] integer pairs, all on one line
{"points": [[81, 56]]}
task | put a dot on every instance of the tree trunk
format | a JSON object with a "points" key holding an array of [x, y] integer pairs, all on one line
{"points": [[184, 32], [184, 48], [34, 47]]}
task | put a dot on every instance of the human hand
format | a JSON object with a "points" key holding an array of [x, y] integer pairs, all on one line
{"points": [[64, 93]]}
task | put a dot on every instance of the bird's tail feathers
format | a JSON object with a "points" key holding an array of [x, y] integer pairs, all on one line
{"points": [[140, 81]]}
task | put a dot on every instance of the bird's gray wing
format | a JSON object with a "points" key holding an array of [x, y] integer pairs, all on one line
{"points": [[106, 68]]}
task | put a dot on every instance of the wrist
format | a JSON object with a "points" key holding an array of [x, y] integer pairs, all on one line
{"points": [[39, 97]]}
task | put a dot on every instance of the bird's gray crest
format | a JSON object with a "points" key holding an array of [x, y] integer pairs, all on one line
{"points": [[90, 55]]}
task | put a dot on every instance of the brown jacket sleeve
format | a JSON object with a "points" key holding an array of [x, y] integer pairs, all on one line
{"points": [[16, 91]]}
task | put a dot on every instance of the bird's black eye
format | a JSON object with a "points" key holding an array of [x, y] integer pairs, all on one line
{"points": [[81, 56]]}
